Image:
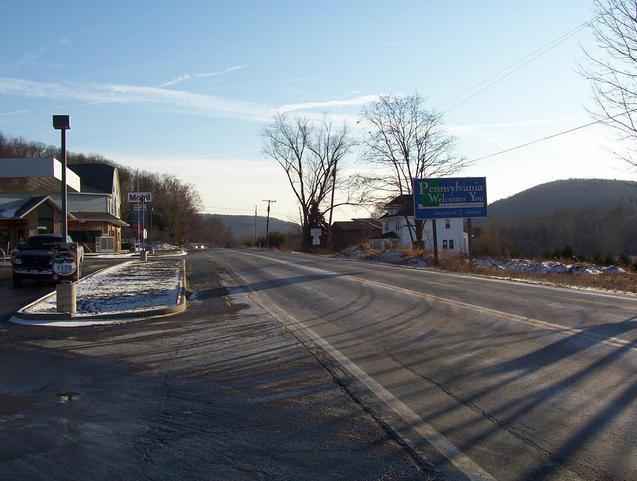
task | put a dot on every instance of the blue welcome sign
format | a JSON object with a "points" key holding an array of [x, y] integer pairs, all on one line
{"points": [[450, 197]]}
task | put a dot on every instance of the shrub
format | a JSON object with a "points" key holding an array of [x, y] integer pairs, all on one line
{"points": [[609, 260]]}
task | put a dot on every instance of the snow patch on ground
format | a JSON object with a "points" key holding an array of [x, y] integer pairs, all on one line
{"points": [[129, 287], [505, 265], [546, 267]]}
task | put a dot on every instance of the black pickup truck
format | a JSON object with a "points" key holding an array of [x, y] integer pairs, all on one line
{"points": [[34, 258]]}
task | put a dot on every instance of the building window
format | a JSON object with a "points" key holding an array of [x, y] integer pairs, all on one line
{"points": [[397, 225], [447, 223], [444, 244], [385, 226], [450, 244]]}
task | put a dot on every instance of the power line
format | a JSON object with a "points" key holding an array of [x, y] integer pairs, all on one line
{"points": [[552, 136], [514, 67]]}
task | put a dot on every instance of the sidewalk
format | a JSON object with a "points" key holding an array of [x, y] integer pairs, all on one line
{"points": [[126, 291]]}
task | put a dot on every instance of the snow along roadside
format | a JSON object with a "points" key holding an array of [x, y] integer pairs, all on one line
{"points": [[130, 291]]}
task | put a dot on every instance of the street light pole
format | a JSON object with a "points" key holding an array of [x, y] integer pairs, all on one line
{"points": [[63, 123]]}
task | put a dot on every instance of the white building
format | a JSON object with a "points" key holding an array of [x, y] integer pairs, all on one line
{"points": [[452, 238]]}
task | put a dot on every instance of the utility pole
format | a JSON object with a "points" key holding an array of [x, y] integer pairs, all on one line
{"points": [[329, 227], [267, 221], [255, 224]]}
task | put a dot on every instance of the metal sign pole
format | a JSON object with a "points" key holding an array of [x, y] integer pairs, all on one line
{"points": [[435, 236], [65, 213], [63, 123]]}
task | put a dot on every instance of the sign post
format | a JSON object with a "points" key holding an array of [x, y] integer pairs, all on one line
{"points": [[139, 201], [448, 198]]}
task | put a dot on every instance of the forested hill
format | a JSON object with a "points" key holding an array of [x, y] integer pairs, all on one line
{"points": [[242, 226], [592, 216], [565, 195]]}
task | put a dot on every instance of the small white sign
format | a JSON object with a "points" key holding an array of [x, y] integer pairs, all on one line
{"points": [[137, 197], [64, 268], [316, 236]]}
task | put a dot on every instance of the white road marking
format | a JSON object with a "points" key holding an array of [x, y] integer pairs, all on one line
{"points": [[488, 278], [460, 460], [565, 330]]}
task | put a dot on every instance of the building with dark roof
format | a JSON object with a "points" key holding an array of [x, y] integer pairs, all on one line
{"points": [[354, 232], [398, 229], [30, 202]]}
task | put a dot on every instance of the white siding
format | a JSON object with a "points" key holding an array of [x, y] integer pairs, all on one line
{"points": [[450, 232]]}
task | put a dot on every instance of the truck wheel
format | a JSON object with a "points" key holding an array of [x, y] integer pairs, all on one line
{"points": [[17, 280]]}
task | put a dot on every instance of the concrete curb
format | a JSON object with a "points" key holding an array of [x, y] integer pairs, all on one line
{"points": [[58, 318]]}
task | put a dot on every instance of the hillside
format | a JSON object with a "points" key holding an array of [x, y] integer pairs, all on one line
{"points": [[242, 226], [590, 215], [572, 194]]}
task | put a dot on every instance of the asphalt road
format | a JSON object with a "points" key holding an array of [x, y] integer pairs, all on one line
{"points": [[220, 392], [489, 379], [12, 299]]}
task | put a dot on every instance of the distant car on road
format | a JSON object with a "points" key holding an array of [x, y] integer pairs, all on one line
{"points": [[34, 258]]}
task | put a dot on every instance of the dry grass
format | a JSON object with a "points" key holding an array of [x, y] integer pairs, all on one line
{"points": [[613, 282], [460, 263]]}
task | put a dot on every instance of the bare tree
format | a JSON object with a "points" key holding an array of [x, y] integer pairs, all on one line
{"points": [[310, 155], [613, 73], [408, 142]]}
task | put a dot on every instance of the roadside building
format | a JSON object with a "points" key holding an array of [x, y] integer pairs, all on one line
{"points": [[26, 205], [30, 202], [399, 214], [97, 208], [355, 232]]}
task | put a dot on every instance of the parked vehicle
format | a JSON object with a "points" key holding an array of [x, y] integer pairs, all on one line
{"points": [[35, 258]]}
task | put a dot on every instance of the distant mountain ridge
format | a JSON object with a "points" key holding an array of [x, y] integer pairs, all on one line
{"points": [[589, 215], [572, 194], [242, 226]]}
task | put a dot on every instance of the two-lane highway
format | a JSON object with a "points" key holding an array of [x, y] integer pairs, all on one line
{"points": [[488, 379]]}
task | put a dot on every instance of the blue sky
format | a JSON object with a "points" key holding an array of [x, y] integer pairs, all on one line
{"points": [[186, 88]]}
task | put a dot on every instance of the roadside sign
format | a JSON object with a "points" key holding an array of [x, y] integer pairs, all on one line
{"points": [[65, 259], [450, 197], [138, 197], [316, 236]]}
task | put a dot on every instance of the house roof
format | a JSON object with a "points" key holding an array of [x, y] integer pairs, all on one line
{"points": [[95, 177], [99, 217], [357, 224], [19, 208], [403, 204]]}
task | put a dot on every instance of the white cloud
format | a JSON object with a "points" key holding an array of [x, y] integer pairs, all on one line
{"points": [[167, 98], [185, 77], [357, 101], [463, 129], [119, 93], [11, 114], [397, 44]]}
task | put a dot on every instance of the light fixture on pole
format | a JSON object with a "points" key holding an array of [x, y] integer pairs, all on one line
{"points": [[63, 123]]}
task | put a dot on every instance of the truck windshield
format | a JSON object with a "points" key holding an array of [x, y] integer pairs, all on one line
{"points": [[36, 243]]}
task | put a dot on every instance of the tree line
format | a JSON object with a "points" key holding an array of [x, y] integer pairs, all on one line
{"points": [[176, 204]]}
